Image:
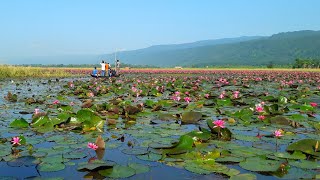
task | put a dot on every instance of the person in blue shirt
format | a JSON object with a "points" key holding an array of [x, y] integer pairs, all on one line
{"points": [[95, 72]]}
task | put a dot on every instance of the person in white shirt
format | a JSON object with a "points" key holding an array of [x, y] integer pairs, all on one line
{"points": [[103, 68], [117, 66]]}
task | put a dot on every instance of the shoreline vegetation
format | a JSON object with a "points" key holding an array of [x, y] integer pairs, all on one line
{"points": [[14, 71]]}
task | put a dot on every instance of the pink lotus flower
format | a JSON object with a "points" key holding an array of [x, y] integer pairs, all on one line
{"points": [[16, 141], [259, 108], [236, 94], [187, 93], [261, 117], [91, 94], [277, 133], [221, 96], [71, 85], [36, 111], [206, 95], [134, 89], [56, 102], [177, 93], [187, 99], [92, 146], [219, 123], [313, 104], [71, 103]]}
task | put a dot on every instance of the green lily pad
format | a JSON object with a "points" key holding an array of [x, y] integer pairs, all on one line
{"points": [[259, 164], [150, 157], [95, 165], [51, 167], [305, 145], [304, 164], [74, 155], [191, 117], [243, 177], [135, 151], [185, 143], [295, 155], [118, 172], [229, 159], [139, 168], [203, 135], [281, 120], [19, 123]]}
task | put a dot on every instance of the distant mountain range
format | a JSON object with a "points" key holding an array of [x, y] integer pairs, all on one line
{"points": [[282, 48]]}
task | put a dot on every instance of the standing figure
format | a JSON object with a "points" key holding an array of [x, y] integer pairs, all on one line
{"points": [[103, 68], [108, 69], [117, 66]]}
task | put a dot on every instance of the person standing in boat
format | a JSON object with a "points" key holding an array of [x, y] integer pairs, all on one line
{"points": [[108, 69], [117, 66], [103, 68]]}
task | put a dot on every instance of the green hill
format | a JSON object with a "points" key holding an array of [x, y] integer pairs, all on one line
{"points": [[280, 48]]}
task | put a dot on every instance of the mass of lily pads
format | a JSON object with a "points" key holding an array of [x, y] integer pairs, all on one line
{"points": [[226, 124]]}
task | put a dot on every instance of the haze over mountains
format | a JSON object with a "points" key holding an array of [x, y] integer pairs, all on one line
{"points": [[282, 48]]}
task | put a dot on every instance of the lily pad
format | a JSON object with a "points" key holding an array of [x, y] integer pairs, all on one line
{"points": [[95, 165], [50, 167], [135, 151], [295, 155], [139, 168], [150, 157], [243, 177], [19, 123], [118, 172], [259, 164], [306, 146], [304, 164], [191, 117]]}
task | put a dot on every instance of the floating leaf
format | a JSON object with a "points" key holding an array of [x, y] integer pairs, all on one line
{"points": [[295, 155], [118, 172], [259, 164], [19, 123], [190, 117], [150, 157], [135, 151], [95, 165], [304, 145], [304, 164], [243, 177], [50, 167], [139, 168]]}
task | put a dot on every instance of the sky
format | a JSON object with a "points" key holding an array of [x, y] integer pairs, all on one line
{"points": [[83, 27]]}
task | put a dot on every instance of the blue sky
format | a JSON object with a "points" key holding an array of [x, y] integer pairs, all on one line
{"points": [[61, 27]]}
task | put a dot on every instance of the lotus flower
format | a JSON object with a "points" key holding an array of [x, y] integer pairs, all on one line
{"points": [[56, 102], [206, 95], [36, 111], [92, 146], [91, 94], [313, 104], [187, 99], [259, 108], [261, 117], [71, 103], [277, 133], [16, 141], [236, 94], [219, 123]]}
